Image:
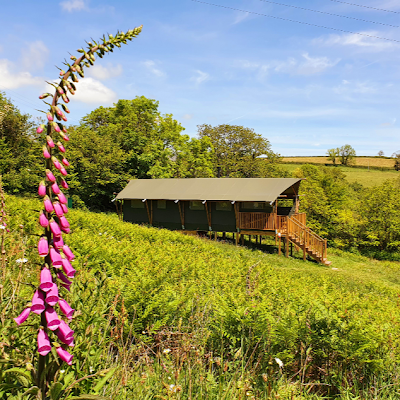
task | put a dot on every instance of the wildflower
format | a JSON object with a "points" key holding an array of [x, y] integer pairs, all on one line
{"points": [[46, 153], [42, 189], [48, 205], [61, 147], [55, 188], [66, 309], [166, 351], [64, 184], [38, 302], [53, 322], [65, 330], [64, 208], [44, 346], [64, 355], [65, 162], [279, 362], [64, 222], [66, 283], [52, 295], [54, 227], [46, 282], [55, 257], [56, 163], [68, 268], [50, 141], [56, 127], [43, 221], [58, 209], [43, 247], [40, 128], [50, 176], [68, 342], [49, 116], [21, 260], [61, 198], [58, 242], [68, 253], [23, 316], [63, 171]]}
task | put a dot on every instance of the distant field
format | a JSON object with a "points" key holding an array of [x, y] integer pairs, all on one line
{"points": [[360, 161], [364, 176]]}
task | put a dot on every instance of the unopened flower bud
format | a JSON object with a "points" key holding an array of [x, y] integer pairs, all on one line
{"points": [[65, 108], [40, 128], [61, 147], [56, 127], [44, 95], [56, 163], [50, 141], [49, 116], [65, 98], [60, 90], [65, 162], [46, 153]]}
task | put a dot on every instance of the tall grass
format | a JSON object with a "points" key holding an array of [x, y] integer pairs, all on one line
{"points": [[177, 317]]}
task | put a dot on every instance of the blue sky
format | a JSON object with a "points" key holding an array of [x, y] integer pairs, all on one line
{"points": [[303, 87]]}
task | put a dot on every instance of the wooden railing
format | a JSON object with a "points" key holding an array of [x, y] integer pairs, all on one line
{"points": [[266, 221]]}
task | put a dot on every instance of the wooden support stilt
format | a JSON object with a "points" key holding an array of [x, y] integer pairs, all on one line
{"points": [[291, 249], [237, 238], [279, 245], [242, 237], [224, 235], [215, 235], [287, 247]]}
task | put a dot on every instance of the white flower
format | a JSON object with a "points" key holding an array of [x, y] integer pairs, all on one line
{"points": [[173, 388], [91, 369], [21, 260], [2, 227], [279, 362], [166, 351], [62, 371]]}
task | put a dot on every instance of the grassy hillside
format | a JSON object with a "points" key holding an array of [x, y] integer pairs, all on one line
{"points": [[181, 317], [377, 162]]}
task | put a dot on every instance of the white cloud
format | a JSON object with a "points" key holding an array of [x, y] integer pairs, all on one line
{"points": [[35, 55], [151, 66], [201, 77], [10, 78], [315, 65], [241, 16], [347, 88], [188, 116], [352, 39], [102, 73], [90, 91], [72, 5]]}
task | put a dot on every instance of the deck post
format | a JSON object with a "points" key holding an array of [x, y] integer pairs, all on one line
{"points": [[326, 249], [279, 244], [287, 246], [242, 237], [237, 238]]}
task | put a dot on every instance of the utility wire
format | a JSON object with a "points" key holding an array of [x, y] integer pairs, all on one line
{"points": [[360, 5], [298, 22], [328, 13]]}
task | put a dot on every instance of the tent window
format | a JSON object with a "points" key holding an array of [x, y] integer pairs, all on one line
{"points": [[137, 203], [162, 204], [254, 205], [196, 205], [223, 206]]}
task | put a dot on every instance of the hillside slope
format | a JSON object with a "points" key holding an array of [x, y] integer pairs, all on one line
{"points": [[334, 329]]}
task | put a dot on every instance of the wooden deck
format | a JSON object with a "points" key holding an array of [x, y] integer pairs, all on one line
{"points": [[267, 221]]}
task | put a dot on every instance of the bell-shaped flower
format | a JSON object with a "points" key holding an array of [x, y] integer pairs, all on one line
{"points": [[44, 345], [65, 162], [52, 295], [50, 176], [48, 205], [64, 208], [56, 163], [40, 128], [61, 147], [64, 184], [58, 209], [68, 268], [53, 321], [49, 141], [55, 228], [38, 302], [42, 189], [64, 355], [68, 253], [55, 188], [63, 171], [23, 316], [43, 221], [66, 331], [46, 153], [49, 116], [62, 199], [46, 281], [66, 230], [69, 342], [58, 242], [66, 309], [55, 257], [65, 282], [43, 247], [64, 222]]}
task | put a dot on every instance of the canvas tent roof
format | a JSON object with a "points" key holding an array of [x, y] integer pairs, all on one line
{"points": [[211, 189]]}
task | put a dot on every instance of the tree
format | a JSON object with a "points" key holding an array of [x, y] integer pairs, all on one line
{"points": [[381, 153], [333, 154], [396, 157], [236, 149], [346, 153]]}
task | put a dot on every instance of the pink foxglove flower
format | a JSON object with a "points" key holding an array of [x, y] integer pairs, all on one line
{"points": [[66, 230], [38, 302], [42, 189], [55, 228], [64, 355], [46, 282], [23, 316], [66, 283], [50, 141], [65, 162], [52, 295], [53, 322], [56, 163], [43, 221], [44, 346], [64, 118], [68, 342], [66, 331], [46, 153], [58, 209], [49, 116], [66, 309], [55, 257], [61, 147], [64, 222], [62, 199], [63, 171], [65, 137], [58, 242], [56, 127], [64, 184], [55, 188], [68, 253], [48, 205], [50, 176], [40, 128], [43, 247], [68, 268]]}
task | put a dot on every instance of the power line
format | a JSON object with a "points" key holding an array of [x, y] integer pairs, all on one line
{"points": [[328, 13], [298, 22], [360, 5]]}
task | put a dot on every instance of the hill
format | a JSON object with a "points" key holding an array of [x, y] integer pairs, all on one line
{"points": [[182, 317]]}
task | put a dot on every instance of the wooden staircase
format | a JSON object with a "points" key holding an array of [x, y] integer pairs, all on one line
{"points": [[307, 240]]}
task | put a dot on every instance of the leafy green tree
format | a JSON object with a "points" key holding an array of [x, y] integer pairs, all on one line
{"points": [[346, 153], [333, 154], [236, 149], [396, 157], [20, 151]]}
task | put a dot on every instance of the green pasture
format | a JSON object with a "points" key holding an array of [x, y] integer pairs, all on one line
{"points": [[367, 177]]}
